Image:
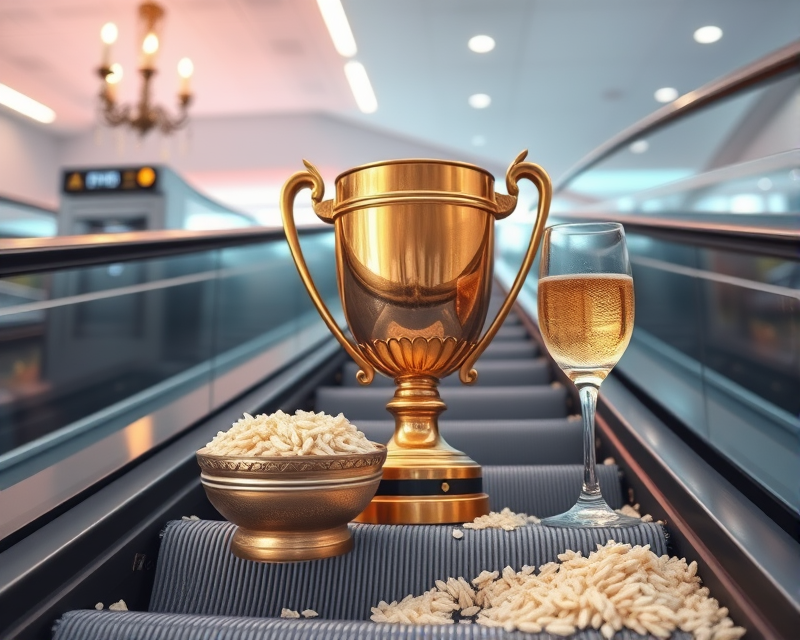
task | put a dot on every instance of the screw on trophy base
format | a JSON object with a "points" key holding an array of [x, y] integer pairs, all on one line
{"points": [[425, 480], [414, 260]]}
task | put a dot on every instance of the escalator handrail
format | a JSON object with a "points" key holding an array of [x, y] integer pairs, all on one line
{"points": [[778, 243], [689, 228], [16, 202], [784, 60], [29, 255]]}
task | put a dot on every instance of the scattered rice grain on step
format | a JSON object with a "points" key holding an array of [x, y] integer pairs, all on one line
{"points": [[617, 586]]}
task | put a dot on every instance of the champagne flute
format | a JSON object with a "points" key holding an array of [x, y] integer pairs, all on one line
{"points": [[586, 320]]}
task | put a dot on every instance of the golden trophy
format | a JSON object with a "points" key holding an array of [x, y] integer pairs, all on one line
{"points": [[414, 257]]}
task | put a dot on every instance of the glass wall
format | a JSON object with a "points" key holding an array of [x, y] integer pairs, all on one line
{"points": [[716, 343], [87, 353]]}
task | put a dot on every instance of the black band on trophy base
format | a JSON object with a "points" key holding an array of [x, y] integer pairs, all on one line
{"points": [[437, 487]]}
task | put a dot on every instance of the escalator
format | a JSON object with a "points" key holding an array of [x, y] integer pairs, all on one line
{"points": [[515, 423]]}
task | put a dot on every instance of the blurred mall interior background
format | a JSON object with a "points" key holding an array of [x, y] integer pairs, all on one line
{"points": [[269, 87]]}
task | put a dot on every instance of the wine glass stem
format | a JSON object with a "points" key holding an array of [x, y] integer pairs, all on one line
{"points": [[588, 395]]}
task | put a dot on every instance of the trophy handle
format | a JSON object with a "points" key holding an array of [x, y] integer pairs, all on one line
{"points": [[505, 206], [311, 179]]}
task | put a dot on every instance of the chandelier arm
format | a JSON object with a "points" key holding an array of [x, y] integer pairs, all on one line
{"points": [[115, 115], [167, 124]]}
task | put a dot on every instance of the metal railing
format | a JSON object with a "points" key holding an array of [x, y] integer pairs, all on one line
{"points": [[31, 255], [770, 67]]}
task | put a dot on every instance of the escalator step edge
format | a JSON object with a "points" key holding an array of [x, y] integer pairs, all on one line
{"points": [[130, 625]]}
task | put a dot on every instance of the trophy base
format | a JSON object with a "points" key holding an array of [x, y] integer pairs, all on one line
{"points": [[425, 509], [427, 486]]}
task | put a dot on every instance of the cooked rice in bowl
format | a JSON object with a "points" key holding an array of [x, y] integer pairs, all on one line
{"points": [[303, 434]]}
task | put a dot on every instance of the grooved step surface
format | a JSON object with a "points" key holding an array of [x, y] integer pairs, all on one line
{"points": [[130, 625], [512, 332], [512, 320], [510, 350], [491, 373], [463, 403], [546, 490], [528, 442], [196, 572]]}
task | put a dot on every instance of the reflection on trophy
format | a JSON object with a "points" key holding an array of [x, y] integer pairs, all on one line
{"points": [[414, 254]]}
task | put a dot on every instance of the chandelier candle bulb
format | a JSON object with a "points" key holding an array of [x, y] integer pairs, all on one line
{"points": [[149, 50], [108, 34], [111, 90], [185, 71]]}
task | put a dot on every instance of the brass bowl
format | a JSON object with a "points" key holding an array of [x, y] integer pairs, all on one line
{"points": [[288, 509]]}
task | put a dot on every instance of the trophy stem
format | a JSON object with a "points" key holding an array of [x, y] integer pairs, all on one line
{"points": [[425, 480], [416, 407]]}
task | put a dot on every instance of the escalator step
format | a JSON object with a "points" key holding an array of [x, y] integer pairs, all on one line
{"points": [[134, 625], [196, 573], [511, 350], [463, 403], [512, 319], [512, 332], [545, 490], [490, 373], [502, 441]]}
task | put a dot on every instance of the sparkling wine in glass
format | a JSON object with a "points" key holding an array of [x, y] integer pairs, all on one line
{"points": [[586, 318]]}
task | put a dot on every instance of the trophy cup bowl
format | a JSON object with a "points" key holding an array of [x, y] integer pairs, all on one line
{"points": [[414, 258]]}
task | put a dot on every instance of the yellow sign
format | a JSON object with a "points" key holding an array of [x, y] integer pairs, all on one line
{"points": [[75, 182], [146, 177]]}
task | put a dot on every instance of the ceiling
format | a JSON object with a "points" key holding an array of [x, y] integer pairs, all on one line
{"points": [[565, 74]]}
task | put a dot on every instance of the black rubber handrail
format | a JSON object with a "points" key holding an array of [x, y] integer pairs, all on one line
{"points": [[777, 63], [31, 255]]}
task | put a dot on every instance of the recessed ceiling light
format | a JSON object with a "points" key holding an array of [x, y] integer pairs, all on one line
{"points": [[478, 141], [25, 105], [639, 146], [707, 35], [361, 87], [336, 20], [481, 44], [765, 184], [479, 100], [666, 94]]}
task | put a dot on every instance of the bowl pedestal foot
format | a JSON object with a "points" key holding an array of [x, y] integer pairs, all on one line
{"points": [[287, 546]]}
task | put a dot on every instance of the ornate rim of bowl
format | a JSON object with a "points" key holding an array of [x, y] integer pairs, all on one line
{"points": [[345, 465]]}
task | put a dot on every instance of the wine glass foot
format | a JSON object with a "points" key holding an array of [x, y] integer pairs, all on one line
{"points": [[591, 511]]}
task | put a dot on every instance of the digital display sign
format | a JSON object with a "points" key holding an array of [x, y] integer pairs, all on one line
{"points": [[107, 180]]}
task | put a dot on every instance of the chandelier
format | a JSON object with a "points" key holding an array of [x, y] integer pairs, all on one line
{"points": [[145, 115]]}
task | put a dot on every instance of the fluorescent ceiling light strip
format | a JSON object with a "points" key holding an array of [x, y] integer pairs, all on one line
{"points": [[361, 87], [336, 20], [25, 105]]}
